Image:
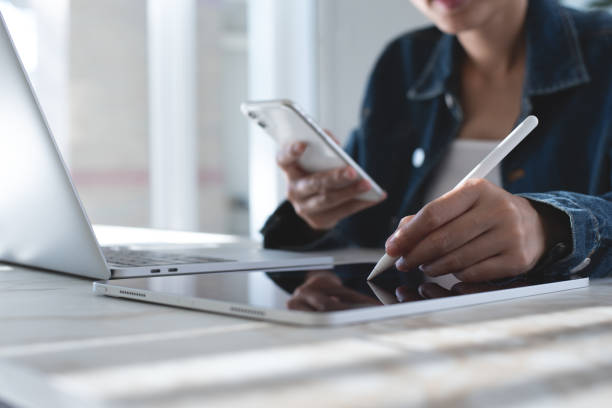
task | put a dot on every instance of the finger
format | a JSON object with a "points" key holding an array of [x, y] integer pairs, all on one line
{"points": [[433, 216], [442, 244], [297, 303], [332, 199], [287, 159], [322, 182], [350, 297], [330, 218], [483, 247], [497, 267], [322, 301], [433, 291], [405, 220]]}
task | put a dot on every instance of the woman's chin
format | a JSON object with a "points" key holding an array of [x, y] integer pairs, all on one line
{"points": [[453, 26], [453, 16]]}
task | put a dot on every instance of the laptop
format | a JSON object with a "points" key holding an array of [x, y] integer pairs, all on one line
{"points": [[43, 223]]}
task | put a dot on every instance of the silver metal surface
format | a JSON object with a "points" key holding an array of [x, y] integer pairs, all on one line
{"points": [[42, 221]]}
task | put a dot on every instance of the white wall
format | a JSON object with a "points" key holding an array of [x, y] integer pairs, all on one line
{"points": [[173, 161], [282, 64], [39, 30], [352, 34]]}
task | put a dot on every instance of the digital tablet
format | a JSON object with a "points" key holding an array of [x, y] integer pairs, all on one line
{"points": [[326, 297], [286, 123]]}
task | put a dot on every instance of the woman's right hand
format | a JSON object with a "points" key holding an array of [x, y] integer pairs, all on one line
{"points": [[322, 199]]}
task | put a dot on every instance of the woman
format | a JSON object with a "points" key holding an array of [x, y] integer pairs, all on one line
{"points": [[437, 101]]}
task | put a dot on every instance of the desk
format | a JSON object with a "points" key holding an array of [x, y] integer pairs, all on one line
{"points": [[61, 346]]}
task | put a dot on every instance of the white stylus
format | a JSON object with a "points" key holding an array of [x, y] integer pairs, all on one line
{"points": [[480, 171]]}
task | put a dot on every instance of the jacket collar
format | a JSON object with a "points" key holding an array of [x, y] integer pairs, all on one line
{"points": [[433, 79], [554, 56]]}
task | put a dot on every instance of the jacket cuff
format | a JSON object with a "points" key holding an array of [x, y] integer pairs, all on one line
{"points": [[284, 229], [585, 236]]}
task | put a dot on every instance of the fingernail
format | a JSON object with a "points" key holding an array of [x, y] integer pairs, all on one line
{"points": [[424, 268], [349, 174], [297, 148], [400, 264]]}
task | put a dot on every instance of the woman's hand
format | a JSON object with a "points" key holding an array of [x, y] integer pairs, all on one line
{"points": [[321, 199], [478, 232]]}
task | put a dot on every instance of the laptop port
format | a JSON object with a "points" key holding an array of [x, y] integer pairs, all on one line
{"points": [[155, 271], [172, 269]]}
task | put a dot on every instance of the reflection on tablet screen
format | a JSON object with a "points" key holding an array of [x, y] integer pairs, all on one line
{"points": [[346, 287], [340, 288]]}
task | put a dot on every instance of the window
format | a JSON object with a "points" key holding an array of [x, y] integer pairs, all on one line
{"points": [[90, 63]]}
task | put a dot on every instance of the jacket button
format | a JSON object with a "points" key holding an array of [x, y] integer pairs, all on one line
{"points": [[449, 100], [418, 157], [515, 175]]}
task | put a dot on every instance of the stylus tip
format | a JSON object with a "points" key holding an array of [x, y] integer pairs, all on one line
{"points": [[383, 264]]}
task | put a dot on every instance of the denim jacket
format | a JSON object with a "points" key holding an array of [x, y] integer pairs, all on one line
{"points": [[412, 112]]}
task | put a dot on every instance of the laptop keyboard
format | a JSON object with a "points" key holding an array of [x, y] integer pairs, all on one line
{"points": [[121, 256]]}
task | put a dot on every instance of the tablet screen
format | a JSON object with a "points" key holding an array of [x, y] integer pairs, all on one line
{"points": [[339, 288]]}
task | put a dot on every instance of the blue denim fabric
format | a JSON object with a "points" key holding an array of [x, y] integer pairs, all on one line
{"points": [[412, 105]]}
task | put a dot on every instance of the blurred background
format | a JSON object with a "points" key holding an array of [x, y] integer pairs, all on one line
{"points": [[143, 95]]}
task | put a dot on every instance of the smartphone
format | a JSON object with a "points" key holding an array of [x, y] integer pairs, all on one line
{"points": [[286, 123]]}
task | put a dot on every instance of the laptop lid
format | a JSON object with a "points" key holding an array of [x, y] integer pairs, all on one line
{"points": [[42, 220]]}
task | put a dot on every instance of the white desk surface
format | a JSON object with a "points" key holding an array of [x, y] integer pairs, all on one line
{"points": [[61, 346]]}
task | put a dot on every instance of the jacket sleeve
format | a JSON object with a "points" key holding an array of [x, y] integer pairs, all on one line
{"points": [[590, 220], [284, 229]]}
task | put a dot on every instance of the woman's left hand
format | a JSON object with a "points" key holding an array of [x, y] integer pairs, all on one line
{"points": [[478, 232]]}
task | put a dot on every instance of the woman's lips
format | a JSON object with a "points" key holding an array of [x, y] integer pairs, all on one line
{"points": [[449, 5]]}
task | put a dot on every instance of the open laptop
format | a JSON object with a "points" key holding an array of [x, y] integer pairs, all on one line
{"points": [[42, 221]]}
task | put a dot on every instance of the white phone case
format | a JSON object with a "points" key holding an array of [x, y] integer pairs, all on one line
{"points": [[286, 123]]}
